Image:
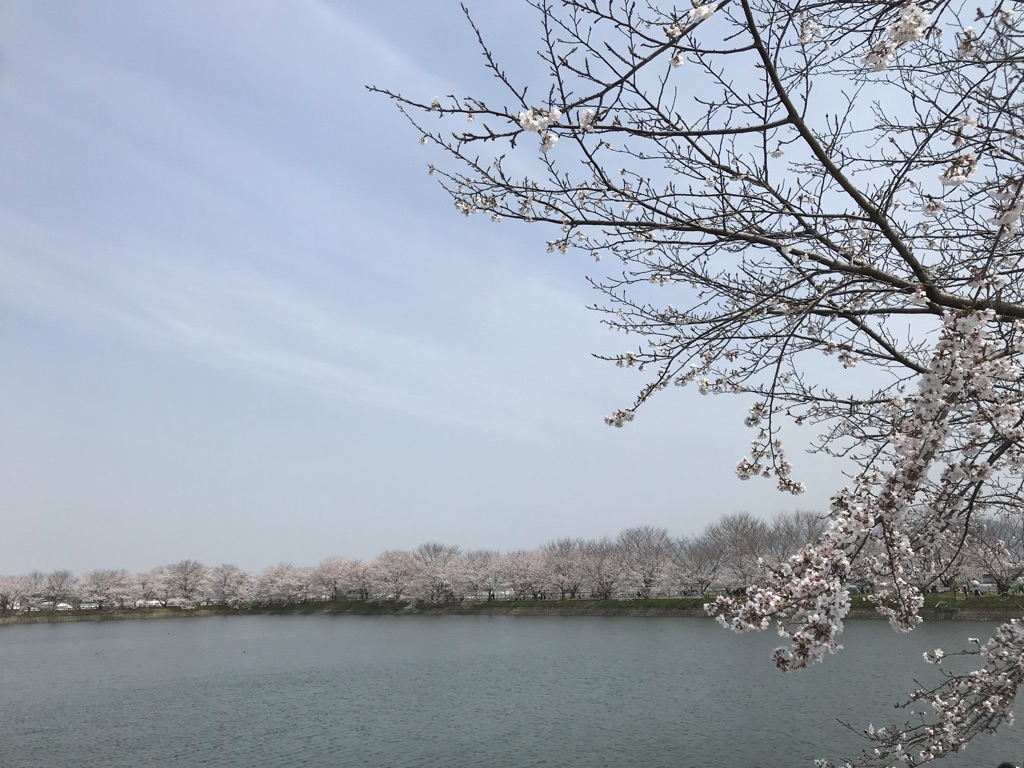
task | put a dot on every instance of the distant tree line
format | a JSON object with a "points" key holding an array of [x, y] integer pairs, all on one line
{"points": [[643, 561]]}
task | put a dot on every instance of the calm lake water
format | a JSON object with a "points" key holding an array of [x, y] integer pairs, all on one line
{"points": [[448, 692]]}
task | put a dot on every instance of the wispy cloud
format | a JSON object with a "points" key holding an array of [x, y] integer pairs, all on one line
{"points": [[177, 223], [255, 324]]}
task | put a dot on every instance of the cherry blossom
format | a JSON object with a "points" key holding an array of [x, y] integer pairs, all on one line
{"points": [[867, 289], [587, 118], [810, 30], [911, 25], [538, 121], [701, 12], [960, 170], [879, 56]]}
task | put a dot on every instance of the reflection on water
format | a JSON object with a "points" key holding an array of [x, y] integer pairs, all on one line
{"points": [[457, 692]]}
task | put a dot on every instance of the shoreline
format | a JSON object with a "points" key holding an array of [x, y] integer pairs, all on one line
{"points": [[981, 609]]}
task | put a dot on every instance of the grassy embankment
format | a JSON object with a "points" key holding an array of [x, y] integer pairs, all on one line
{"points": [[937, 607]]}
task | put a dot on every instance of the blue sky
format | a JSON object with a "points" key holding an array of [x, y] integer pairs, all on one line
{"points": [[240, 323]]}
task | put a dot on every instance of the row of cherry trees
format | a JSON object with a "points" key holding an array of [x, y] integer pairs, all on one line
{"points": [[640, 562]]}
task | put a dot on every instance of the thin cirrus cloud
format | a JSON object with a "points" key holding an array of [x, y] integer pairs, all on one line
{"points": [[183, 230], [249, 323]]}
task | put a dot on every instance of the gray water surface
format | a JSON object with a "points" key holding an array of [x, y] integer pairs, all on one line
{"points": [[449, 692]]}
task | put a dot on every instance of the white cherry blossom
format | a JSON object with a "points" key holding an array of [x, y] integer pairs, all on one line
{"points": [[701, 12]]}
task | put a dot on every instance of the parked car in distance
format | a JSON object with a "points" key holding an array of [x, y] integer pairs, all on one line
{"points": [[981, 588]]}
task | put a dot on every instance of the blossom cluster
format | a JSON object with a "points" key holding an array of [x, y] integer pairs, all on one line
{"points": [[539, 121], [1009, 204], [909, 28], [960, 170], [701, 12], [879, 521], [963, 706], [619, 418], [810, 30]]}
